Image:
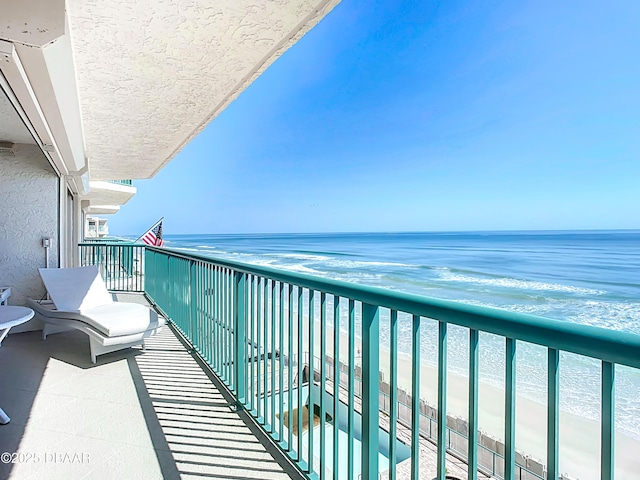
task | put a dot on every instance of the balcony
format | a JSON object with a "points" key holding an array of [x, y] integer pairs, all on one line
{"points": [[262, 341], [253, 326], [122, 182], [136, 414], [108, 194]]}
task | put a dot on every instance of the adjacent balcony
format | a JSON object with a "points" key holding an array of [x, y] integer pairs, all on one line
{"points": [[109, 193], [122, 182]]}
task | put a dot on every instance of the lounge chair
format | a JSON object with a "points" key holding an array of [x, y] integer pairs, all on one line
{"points": [[81, 301]]}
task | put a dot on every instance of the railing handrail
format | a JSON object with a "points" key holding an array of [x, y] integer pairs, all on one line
{"points": [[109, 243], [121, 182], [610, 345]]}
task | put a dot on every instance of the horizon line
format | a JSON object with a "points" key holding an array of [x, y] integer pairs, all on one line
{"points": [[506, 231]]}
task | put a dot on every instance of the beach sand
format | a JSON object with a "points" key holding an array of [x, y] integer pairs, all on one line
{"points": [[579, 437]]}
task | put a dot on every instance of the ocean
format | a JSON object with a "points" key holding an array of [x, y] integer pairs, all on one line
{"points": [[586, 277]]}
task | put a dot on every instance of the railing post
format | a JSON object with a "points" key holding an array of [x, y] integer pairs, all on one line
{"points": [[608, 421], [146, 287], [240, 357], [442, 400], [142, 268], [336, 382], [393, 398], [472, 447], [510, 411], [290, 356], [553, 409], [415, 398], [169, 280], [351, 381], [300, 365], [370, 389], [193, 310]]}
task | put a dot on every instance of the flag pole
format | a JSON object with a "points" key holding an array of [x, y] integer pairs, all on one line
{"points": [[147, 230]]}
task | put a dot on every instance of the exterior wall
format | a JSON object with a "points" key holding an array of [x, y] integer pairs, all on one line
{"points": [[28, 212]]}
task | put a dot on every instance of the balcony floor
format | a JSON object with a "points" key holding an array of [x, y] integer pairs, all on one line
{"points": [[135, 414]]}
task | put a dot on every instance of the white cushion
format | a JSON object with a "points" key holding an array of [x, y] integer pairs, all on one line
{"points": [[75, 289], [111, 321], [118, 319]]}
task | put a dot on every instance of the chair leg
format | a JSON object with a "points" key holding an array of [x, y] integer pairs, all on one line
{"points": [[45, 331], [94, 350], [4, 418], [3, 333]]}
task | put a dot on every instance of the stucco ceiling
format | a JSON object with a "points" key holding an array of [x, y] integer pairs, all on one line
{"points": [[151, 75], [12, 128]]}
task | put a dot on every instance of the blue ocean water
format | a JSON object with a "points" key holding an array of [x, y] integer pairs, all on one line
{"points": [[592, 278]]}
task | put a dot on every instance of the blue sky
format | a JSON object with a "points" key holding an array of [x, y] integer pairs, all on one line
{"points": [[422, 116]]}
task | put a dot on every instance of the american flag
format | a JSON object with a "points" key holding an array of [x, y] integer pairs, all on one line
{"points": [[154, 236]]}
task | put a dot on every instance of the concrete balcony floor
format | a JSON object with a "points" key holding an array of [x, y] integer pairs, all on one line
{"points": [[135, 414]]}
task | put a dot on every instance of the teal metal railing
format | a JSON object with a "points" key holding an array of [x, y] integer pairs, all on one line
{"points": [[252, 324], [491, 463], [121, 182], [101, 240], [121, 264]]}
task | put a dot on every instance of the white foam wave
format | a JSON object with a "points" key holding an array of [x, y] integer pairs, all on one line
{"points": [[361, 278], [623, 316], [613, 315], [250, 258], [300, 269], [262, 262], [519, 284], [300, 256], [187, 249], [339, 263], [366, 264]]}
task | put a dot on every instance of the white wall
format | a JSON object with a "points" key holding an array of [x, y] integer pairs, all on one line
{"points": [[28, 212]]}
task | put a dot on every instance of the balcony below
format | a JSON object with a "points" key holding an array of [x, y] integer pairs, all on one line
{"points": [[135, 414], [121, 182], [110, 193]]}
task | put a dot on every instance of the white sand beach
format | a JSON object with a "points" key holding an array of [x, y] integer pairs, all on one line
{"points": [[579, 437]]}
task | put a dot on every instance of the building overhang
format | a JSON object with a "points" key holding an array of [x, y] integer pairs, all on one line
{"points": [[107, 193], [101, 78], [41, 79], [113, 90], [102, 209]]}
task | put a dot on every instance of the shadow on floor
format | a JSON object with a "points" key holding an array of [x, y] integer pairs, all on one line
{"points": [[151, 414]]}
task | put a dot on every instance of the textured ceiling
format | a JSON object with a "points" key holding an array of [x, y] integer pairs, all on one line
{"points": [[11, 127], [43, 24], [151, 75]]}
